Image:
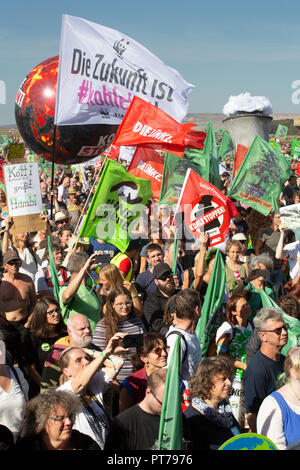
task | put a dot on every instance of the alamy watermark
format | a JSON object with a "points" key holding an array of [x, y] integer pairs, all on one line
{"points": [[296, 94], [2, 92]]}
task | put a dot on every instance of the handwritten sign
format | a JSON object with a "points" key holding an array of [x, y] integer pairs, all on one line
{"points": [[23, 189]]}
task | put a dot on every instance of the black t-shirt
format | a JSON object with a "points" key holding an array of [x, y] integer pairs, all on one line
{"points": [[133, 429], [260, 380], [40, 349], [203, 433]]}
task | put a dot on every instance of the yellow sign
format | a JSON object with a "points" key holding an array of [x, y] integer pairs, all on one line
{"points": [[16, 151]]}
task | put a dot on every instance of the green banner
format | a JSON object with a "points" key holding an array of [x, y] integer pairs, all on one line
{"points": [[226, 146], [174, 172], [281, 132], [119, 200], [261, 176], [212, 305], [295, 147], [210, 152], [170, 425]]}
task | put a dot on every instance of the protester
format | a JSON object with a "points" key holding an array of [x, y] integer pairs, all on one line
{"points": [[119, 317], [13, 394], [43, 280], [209, 415], [137, 427], [186, 315], [48, 424], [279, 414], [83, 378], [235, 271], [263, 370], [77, 296], [145, 282], [152, 356], [79, 335], [46, 328], [155, 303]]}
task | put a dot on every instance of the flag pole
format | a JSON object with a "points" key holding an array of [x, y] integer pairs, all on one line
{"points": [[52, 172]]}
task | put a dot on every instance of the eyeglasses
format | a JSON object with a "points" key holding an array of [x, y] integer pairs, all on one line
{"points": [[126, 304], [60, 419], [155, 397], [52, 312], [278, 331], [158, 350]]}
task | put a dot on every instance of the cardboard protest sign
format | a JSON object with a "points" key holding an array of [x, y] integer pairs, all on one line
{"points": [[23, 195], [290, 216]]}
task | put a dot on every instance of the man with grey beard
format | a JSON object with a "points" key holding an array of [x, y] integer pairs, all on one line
{"points": [[155, 303], [79, 335]]}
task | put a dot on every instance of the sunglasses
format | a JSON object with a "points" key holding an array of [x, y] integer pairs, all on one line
{"points": [[13, 261], [278, 331], [166, 276], [158, 350]]}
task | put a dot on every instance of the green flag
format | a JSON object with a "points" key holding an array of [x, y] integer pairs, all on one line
{"points": [[175, 253], [249, 246], [210, 152], [211, 307], [226, 146], [295, 147], [4, 140], [53, 271], [261, 176], [294, 323], [170, 425], [118, 202], [174, 172], [281, 132]]}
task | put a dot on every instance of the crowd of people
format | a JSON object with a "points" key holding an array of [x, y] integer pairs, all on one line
{"points": [[87, 370]]}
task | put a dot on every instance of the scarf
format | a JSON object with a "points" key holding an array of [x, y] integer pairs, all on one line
{"points": [[223, 416]]}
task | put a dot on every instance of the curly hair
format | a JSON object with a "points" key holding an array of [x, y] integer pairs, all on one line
{"points": [[290, 305], [111, 318], [201, 381], [40, 407]]}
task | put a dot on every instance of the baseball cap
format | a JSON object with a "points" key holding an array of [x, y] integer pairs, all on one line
{"points": [[160, 269], [10, 255], [239, 236]]}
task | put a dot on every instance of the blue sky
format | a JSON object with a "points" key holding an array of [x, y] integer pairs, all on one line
{"points": [[222, 47]]}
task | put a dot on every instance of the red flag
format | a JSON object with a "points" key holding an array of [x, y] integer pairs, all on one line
{"points": [[240, 154], [148, 164], [112, 152], [195, 140], [205, 208], [150, 127]]}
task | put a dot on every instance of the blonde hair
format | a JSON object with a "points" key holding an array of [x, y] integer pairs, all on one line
{"points": [[292, 361], [112, 275]]}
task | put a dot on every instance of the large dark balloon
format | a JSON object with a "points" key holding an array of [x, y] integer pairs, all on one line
{"points": [[34, 111]]}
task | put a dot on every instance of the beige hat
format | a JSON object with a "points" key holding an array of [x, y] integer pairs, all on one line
{"points": [[239, 236], [60, 216]]}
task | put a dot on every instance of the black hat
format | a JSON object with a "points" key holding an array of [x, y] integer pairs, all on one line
{"points": [[161, 269]]}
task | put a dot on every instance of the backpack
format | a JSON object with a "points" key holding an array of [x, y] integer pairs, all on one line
{"points": [[176, 332]]}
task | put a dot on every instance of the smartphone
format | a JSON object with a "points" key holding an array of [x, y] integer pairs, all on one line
{"points": [[133, 341]]}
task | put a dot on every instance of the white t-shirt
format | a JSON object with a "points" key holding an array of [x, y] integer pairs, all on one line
{"points": [[84, 420], [193, 353], [292, 250], [30, 264], [12, 403], [62, 193], [269, 421], [226, 328]]}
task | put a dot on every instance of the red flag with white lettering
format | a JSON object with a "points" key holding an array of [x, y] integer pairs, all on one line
{"points": [[148, 164], [112, 152], [205, 208], [150, 127]]}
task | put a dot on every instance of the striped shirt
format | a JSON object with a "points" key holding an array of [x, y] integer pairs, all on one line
{"points": [[131, 326]]}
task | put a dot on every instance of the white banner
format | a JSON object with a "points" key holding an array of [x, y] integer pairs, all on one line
{"points": [[290, 216], [22, 184], [100, 71]]}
